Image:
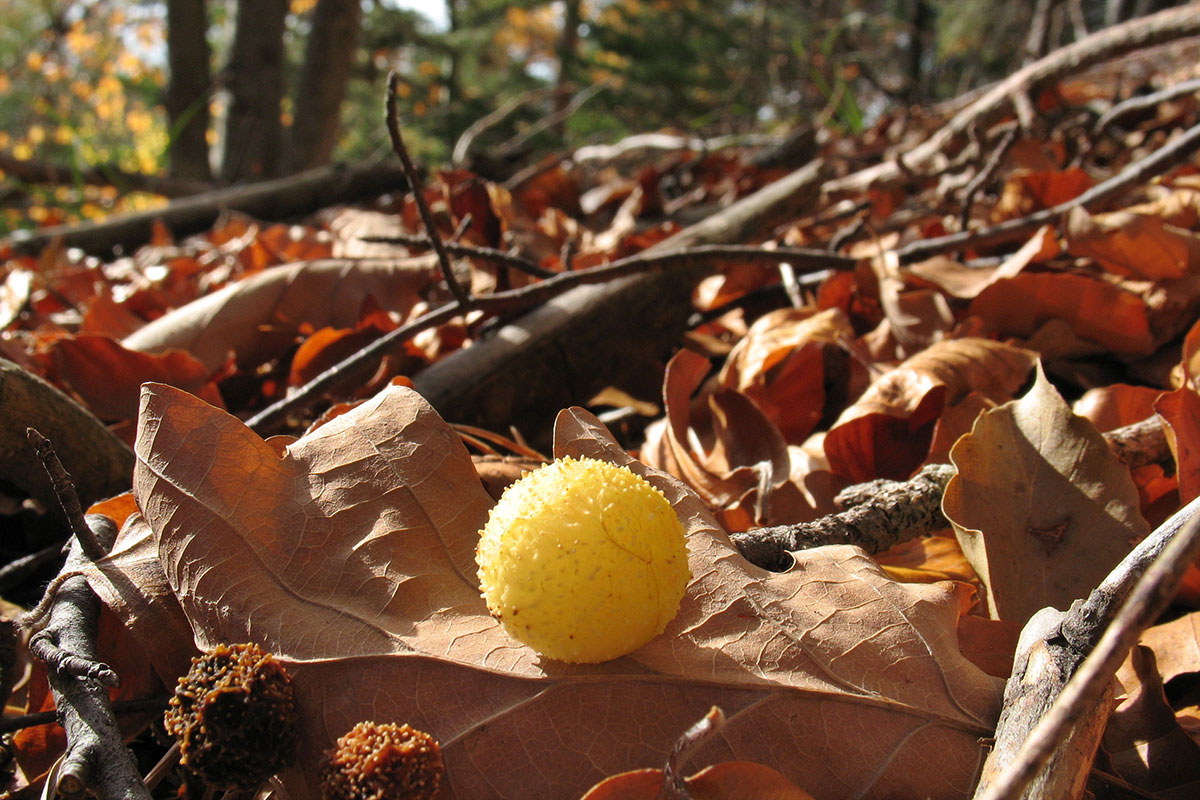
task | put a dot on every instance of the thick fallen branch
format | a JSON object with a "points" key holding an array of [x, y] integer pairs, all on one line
{"points": [[1055, 703], [885, 513], [593, 336], [280, 199]]}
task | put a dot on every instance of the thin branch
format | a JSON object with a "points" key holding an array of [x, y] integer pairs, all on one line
{"points": [[504, 257], [1143, 103], [1174, 23], [414, 180], [462, 147], [986, 174], [96, 759], [804, 260], [1135, 174], [68, 498]]}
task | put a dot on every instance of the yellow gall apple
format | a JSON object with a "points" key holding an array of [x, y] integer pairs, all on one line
{"points": [[583, 561]]}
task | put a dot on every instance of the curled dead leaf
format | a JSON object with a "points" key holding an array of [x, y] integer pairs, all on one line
{"points": [[887, 432]]}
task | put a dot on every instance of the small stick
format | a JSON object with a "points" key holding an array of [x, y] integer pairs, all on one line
{"points": [[1136, 173], [986, 174], [414, 180], [68, 498], [470, 251], [881, 514]]}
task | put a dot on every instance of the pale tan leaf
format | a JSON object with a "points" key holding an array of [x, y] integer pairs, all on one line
{"points": [[349, 552], [1041, 506]]}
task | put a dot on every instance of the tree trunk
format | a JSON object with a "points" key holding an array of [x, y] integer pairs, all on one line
{"points": [[328, 57], [568, 46], [253, 129], [188, 89]]}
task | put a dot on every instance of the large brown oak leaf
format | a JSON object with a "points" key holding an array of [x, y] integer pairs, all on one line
{"points": [[349, 553]]}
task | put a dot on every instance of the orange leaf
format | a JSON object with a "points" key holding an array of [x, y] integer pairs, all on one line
{"points": [[1132, 245], [887, 432], [109, 377], [1102, 313]]}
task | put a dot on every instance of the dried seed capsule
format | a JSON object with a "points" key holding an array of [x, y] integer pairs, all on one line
{"points": [[234, 717], [382, 762]]}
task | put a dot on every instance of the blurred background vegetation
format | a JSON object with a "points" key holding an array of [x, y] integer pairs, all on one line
{"points": [[111, 105]]}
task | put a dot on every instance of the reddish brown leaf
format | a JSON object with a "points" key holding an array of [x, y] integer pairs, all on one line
{"points": [[887, 432], [1026, 192], [1134, 245], [1101, 313], [257, 318], [780, 365], [743, 466], [109, 376], [966, 282]]}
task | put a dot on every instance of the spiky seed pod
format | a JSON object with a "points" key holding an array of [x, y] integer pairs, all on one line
{"points": [[382, 762], [234, 716]]}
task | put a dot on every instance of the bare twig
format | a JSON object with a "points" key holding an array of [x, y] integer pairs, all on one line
{"points": [[534, 294], [695, 737], [1150, 576], [414, 180], [1105, 44], [462, 147], [515, 143], [1143, 103], [68, 498], [986, 174], [32, 719], [1135, 174], [882, 514], [896, 511], [17, 570], [504, 257], [96, 759]]}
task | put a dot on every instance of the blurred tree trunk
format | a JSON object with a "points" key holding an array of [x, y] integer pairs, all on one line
{"points": [[568, 47], [922, 22], [454, 79], [328, 58], [253, 128], [188, 89]]}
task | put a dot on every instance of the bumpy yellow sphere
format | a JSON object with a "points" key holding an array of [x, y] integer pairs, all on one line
{"points": [[583, 561]]}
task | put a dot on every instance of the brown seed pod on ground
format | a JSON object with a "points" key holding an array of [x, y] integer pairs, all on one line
{"points": [[235, 717], [382, 762]]}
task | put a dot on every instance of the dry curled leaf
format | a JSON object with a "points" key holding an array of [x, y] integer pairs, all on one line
{"points": [[349, 553], [1105, 315], [1041, 506], [887, 432], [780, 365]]}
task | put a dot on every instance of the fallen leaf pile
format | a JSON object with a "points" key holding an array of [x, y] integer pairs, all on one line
{"points": [[348, 548]]}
